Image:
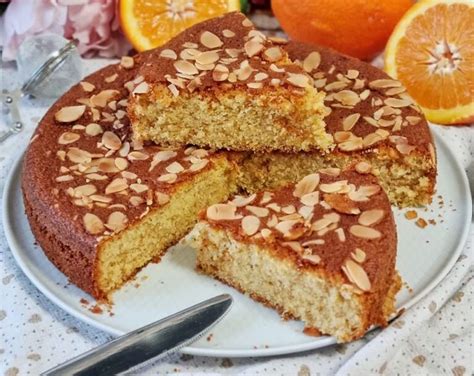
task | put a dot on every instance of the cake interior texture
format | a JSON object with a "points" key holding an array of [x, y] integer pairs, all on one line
{"points": [[122, 256], [326, 304], [237, 119], [408, 180]]}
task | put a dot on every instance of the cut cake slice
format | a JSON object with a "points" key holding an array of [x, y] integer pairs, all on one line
{"points": [[322, 251], [223, 84]]}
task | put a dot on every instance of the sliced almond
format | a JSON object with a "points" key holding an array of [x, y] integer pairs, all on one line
{"points": [[69, 114], [298, 80], [363, 167], [93, 224], [137, 156], [85, 190], [87, 86], [68, 138], [220, 73], [295, 246], [185, 67], [162, 198], [199, 165], [341, 203], [272, 54], [258, 211], [121, 163], [175, 168], [127, 62], [371, 217], [312, 61], [333, 187], [397, 103], [365, 232], [77, 155], [116, 185], [357, 275], [208, 57], [241, 201], [250, 225], [210, 40], [168, 178], [101, 99], [228, 33], [310, 199], [255, 85], [347, 97], [222, 212], [111, 141], [93, 129], [253, 47], [168, 54], [349, 122], [260, 76], [359, 255], [141, 88], [116, 221], [306, 185], [384, 83], [331, 171], [320, 224]]}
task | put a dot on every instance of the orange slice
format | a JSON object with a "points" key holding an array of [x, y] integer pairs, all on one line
{"points": [[431, 51], [150, 23]]}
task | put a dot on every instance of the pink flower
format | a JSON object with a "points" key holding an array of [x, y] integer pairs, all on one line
{"points": [[93, 23], [25, 18]]}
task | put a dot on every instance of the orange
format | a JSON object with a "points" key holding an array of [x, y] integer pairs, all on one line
{"points": [[358, 28], [432, 52], [150, 23]]}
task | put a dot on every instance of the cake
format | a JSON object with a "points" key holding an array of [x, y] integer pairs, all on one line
{"points": [[372, 119], [222, 84], [322, 251], [101, 205]]}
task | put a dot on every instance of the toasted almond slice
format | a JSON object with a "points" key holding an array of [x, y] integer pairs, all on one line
{"points": [[222, 212], [371, 217], [341, 203], [384, 83], [253, 47], [111, 141], [168, 178], [413, 120], [116, 221], [85, 190], [312, 61], [258, 211], [359, 255], [357, 275], [68, 138], [137, 156], [185, 67], [69, 114], [347, 97], [286, 227], [228, 33], [64, 178], [349, 122], [333, 187], [397, 103], [272, 54], [93, 129], [336, 85], [102, 98], [313, 242], [169, 54], [352, 74], [210, 40], [298, 80], [306, 185], [220, 73], [320, 224], [175, 168], [260, 76], [250, 225], [116, 185], [364, 232], [77, 155], [198, 165], [352, 144], [93, 224], [295, 246], [141, 88], [255, 85], [310, 199], [241, 201], [139, 188], [332, 171], [405, 148], [289, 209], [87, 86], [208, 57], [127, 62], [363, 167]]}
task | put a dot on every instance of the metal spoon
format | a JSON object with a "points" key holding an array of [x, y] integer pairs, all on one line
{"points": [[10, 99]]}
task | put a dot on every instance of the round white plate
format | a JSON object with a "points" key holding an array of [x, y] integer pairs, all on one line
{"points": [[424, 257]]}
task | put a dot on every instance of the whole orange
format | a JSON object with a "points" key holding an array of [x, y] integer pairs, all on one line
{"points": [[359, 28]]}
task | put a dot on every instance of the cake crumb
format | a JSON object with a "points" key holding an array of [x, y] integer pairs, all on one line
{"points": [[209, 337], [421, 223], [432, 222], [96, 310], [411, 214], [84, 301]]}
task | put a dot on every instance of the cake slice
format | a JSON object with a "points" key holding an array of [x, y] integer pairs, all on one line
{"points": [[223, 84], [101, 205], [322, 251], [372, 119]]}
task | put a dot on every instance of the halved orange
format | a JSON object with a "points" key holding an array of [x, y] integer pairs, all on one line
{"points": [[431, 51], [150, 23]]}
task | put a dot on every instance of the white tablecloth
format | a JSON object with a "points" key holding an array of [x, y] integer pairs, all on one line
{"points": [[433, 337]]}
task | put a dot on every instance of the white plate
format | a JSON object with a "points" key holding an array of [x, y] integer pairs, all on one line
{"points": [[424, 257]]}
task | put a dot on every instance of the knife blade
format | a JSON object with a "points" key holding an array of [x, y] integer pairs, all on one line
{"points": [[151, 342]]}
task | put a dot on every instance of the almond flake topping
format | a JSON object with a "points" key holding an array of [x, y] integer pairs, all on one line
{"points": [[349, 122], [306, 185], [69, 114], [77, 155], [93, 223], [137, 156], [272, 54], [198, 165], [341, 203], [210, 40], [228, 33], [258, 211], [334, 187], [168, 178], [162, 198], [68, 138], [85, 190], [310, 199], [298, 79], [111, 141], [365, 232], [252, 47], [241, 201], [250, 225], [363, 167], [185, 67], [312, 61], [357, 275], [87, 86], [222, 212], [358, 255], [371, 217], [142, 88], [397, 103], [384, 83], [101, 99], [139, 188], [93, 129], [168, 54], [117, 185], [175, 168], [127, 62], [347, 97]]}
